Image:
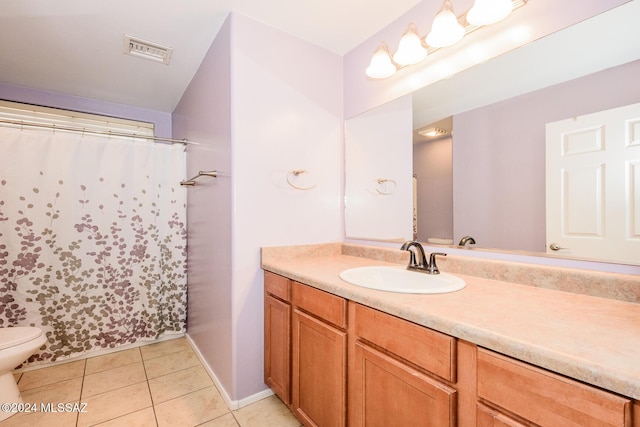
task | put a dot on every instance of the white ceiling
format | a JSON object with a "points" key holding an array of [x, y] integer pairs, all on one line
{"points": [[75, 47]]}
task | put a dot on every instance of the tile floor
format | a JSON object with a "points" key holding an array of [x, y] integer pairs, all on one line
{"points": [[162, 384]]}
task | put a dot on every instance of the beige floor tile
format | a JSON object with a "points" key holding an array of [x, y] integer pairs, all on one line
{"points": [[51, 375], [143, 418], [268, 412], [183, 392], [61, 392], [169, 363], [178, 383], [163, 348], [116, 403], [112, 379], [191, 409], [41, 419], [227, 420], [113, 360]]}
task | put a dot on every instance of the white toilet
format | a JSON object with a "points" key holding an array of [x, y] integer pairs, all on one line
{"points": [[16, 345]]}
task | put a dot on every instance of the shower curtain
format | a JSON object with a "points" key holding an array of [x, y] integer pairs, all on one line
{"points": [[92, 239]]}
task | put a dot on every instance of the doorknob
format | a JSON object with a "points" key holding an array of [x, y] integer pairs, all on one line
{"points": [[556, 247]]}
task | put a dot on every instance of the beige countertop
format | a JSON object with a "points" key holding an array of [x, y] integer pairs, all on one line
{"points": [[592, 339]]}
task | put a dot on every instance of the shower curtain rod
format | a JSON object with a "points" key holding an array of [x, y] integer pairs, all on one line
{"points": [[98, 132]]}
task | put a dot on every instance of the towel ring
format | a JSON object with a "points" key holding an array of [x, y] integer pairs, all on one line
{"points": [[382, 186], [292, 174]]}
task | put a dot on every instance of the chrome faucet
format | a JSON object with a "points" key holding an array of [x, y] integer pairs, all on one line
{"points": [[421, 264], [467, 239]]}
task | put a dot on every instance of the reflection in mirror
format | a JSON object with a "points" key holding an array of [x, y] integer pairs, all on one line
{"points": [[433, 174], [378, 173], [498, 141]]}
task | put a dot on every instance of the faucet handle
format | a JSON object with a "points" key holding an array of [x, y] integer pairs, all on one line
{"points": [[433, 268]]}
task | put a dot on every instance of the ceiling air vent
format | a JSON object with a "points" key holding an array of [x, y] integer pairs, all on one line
{"points": [[148, 50]]}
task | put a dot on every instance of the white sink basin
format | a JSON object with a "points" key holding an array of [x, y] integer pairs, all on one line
{"points": [[399, 279]]}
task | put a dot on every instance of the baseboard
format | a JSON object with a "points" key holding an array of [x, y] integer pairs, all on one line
{"points": [[232, 404], [254, 398]]}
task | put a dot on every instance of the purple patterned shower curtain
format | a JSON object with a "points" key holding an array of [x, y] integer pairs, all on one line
{"points": [[92, 239]]}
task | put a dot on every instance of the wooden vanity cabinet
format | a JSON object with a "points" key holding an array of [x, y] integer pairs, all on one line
{"points": [[277, 335], [399, 372], [319, 357]]}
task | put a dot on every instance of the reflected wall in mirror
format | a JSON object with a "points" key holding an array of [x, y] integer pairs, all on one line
{"points": [[378, 173], [498, 143], [433, 174], [499, 152]]}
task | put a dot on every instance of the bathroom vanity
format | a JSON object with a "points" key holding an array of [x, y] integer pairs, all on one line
{"points": [[492, 354]]}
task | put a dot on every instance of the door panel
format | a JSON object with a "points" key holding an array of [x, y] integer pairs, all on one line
{"points": [[593, 185]]}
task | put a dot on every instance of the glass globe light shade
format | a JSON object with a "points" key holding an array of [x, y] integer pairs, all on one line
{"points": [[381, 65], [445, 30], [485, 12], [410, 48]]}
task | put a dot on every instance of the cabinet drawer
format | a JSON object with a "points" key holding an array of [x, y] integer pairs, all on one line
{"points": [[277, 285], [488, 417], [431, 350], [328, 307], [545, 398]]}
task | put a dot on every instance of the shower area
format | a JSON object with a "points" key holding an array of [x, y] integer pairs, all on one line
{"points": [[93, 239]]}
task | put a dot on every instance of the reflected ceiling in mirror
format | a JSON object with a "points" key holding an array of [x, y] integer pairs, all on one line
{"points": [[494, 150]]}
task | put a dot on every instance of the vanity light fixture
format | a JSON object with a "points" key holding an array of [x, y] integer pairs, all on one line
{"points": [[446, 30], [410, 48]]}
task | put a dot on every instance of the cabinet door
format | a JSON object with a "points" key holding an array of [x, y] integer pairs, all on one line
{"points": [[319, 372], [388, 392], [277, 332]]}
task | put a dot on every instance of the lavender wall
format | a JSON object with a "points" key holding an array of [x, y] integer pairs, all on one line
{"points": [[535, 20], [204, 115], [161, 120], [499, 155], [286, 114], [262, 103]]}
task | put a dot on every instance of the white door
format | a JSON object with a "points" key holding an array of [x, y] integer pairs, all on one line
{"points": [[593, 185]]}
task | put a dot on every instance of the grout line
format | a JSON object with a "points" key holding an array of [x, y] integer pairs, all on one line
{"points": [[153, 404], [236, 419], [84, 375]]}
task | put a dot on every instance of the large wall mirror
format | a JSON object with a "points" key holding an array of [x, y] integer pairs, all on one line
{"points": [[483, 174]]}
